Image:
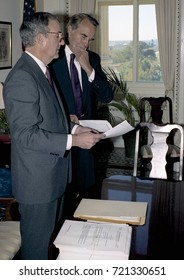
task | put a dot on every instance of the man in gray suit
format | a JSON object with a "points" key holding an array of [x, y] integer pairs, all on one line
{"points": [[41, 135]]}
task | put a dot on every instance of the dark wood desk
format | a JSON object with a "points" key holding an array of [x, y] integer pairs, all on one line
{"points": [[162, 236], [166, 221]]}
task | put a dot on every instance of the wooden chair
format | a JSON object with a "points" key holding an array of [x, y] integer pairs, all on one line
{"points": [[152, 109], [157, 110], [158, 164], [10, 240]]}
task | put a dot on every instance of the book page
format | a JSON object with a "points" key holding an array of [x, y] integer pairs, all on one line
{"points": [[105, 127], [85, 240]]}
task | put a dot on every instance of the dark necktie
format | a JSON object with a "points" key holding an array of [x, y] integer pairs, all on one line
{"points": [[49, 78], [76, 86]]}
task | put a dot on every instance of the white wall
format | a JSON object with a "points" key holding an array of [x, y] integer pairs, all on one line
{"points": [[12, 11], [54, 6]]}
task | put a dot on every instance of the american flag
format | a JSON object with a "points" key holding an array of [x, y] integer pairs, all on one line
{"points": [[29, 9]]}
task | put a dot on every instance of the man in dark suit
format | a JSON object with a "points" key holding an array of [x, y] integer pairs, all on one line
{"points": [[41, 135], [81, 30]]}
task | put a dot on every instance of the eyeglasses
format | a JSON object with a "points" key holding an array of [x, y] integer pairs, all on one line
{"points": [[59, 35]]}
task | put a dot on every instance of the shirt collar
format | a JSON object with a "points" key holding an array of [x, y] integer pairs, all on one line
{"points": [[68, 52], [38, 61]]}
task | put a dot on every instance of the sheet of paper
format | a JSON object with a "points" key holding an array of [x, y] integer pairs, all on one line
{"points": [[119, 130], [85, 240], [105, 127], [100, 125]]}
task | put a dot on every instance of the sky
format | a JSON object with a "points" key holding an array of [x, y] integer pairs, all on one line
{"points": [[121, 27]]}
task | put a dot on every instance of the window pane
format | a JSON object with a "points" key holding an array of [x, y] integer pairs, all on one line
{"points": [[148, 55], [120, 39]]}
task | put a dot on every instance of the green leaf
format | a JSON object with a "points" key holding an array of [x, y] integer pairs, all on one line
{"points": [[4, 127], [126, 102]]}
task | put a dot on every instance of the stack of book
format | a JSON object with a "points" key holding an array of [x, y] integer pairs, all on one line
{"points": [[101, 230], [78, 240], [112, 211]]}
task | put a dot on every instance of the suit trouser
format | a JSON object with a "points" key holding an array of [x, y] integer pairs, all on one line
{"points": [[36, 226], [83, 179]]}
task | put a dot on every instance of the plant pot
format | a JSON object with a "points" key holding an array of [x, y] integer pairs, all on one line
{"points": [[5, 138], [129, 141]]}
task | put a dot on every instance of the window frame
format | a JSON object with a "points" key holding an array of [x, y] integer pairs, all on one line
{"points": [[139, 87]]}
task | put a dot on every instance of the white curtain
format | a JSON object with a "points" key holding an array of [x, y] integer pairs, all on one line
{"points": [[166, 26], [81, 6], [180, 84]]}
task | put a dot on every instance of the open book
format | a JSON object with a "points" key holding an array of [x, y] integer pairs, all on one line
{"points": [[79, 240], [105, 127], [113, 211]]}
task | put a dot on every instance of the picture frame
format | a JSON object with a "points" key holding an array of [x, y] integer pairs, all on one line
{"points": [[5, 45]]}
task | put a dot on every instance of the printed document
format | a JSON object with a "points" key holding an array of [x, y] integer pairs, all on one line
{"points": [[78, 240], [105, 127]]}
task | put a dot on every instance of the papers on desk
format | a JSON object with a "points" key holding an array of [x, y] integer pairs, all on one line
{"points": [[79, 240], [106, 128], [112, 211]]}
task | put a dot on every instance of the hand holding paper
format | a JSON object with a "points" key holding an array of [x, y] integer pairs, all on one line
{"points": [[105, 127]]}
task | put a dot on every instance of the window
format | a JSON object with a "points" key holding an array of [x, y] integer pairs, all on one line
{"points": [[128, 42]]}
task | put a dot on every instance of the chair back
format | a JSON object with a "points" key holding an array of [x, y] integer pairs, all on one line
{"points": [[159, 149], [152, 108]]}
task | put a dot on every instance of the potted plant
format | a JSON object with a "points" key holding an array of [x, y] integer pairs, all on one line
{"points": [[127, 103], [4, 127]]}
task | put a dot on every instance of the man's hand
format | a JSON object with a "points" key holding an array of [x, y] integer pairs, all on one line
{"points": [[74, 119], [83, 58], [86, 137]]}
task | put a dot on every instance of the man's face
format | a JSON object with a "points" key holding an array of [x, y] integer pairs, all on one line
{"points": [[80, 38], [53, 40]]}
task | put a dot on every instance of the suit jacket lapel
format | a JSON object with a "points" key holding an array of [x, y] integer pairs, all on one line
{"points": [[40, 76], [61, 105], [66, 85]]}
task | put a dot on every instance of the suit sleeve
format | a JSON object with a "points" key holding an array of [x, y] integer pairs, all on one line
{"points": [[101, 86], [35, 118]]}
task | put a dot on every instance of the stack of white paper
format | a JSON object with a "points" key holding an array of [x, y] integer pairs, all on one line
{"points": [[79, 240]]}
